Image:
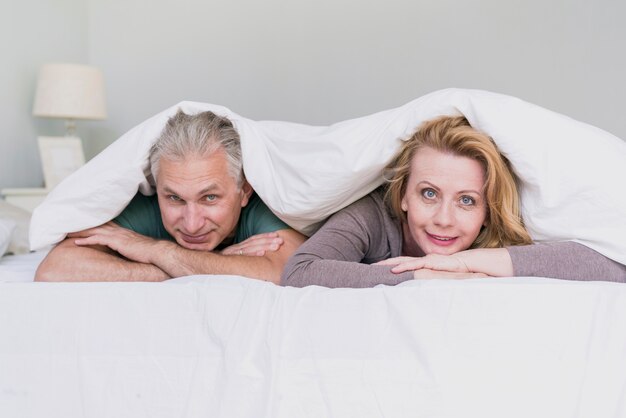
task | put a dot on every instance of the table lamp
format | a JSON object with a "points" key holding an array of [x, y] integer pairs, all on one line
{"points": [[70, 92]]}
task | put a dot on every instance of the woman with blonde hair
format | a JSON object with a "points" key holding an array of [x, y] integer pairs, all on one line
{"points": [[454, 136], [450, 208]]}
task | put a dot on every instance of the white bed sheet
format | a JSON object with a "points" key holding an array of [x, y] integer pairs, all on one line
{"points": [[21, 267], [225, 346]]}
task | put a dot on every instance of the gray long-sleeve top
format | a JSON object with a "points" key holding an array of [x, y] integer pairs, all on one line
{"points": [[339, 254]]}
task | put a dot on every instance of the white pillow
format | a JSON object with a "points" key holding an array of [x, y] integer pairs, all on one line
{"points": [[20, 218], [6, 231]]}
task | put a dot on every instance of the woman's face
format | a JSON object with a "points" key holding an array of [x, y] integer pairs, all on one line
{"points": [[444, 203]]}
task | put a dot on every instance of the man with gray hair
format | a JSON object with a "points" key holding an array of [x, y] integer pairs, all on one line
{"points": [[204, 219]]}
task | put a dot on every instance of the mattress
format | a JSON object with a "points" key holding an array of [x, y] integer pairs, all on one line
{"points": [[227, 346]]}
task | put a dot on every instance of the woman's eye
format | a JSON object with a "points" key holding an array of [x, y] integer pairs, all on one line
{"points": [[467, 200], [429, 193]]}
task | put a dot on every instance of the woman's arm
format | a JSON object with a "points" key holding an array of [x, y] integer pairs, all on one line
{"points": [[565, 260], [339, 253], [559, 260]]}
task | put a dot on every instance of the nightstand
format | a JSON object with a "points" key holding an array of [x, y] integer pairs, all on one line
{"points": [[26, 198]]}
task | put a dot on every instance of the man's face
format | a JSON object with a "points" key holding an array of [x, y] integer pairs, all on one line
{"points": [[200, 202]]}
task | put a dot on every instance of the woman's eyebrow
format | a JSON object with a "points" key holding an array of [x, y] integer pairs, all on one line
{"points": [[469, 191], [427, 183]]}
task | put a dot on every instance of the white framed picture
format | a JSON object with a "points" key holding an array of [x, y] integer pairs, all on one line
{"points": [[60, 157]]}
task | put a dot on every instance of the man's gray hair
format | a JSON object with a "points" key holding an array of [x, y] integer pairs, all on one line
{"points": [[198, 135]]}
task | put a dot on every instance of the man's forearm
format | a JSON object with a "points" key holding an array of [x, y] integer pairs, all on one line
{"points": [[70, 263], [177, 261]]}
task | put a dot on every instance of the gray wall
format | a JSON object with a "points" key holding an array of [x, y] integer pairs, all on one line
{"points": [[33, 32], [329, 60]]}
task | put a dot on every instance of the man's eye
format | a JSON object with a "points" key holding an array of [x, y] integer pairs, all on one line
{"points": [[429, 193], [467, 200], [174, 198], [210, 197]]}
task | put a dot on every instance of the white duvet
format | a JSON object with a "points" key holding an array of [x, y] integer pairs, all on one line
{"points": [[572, 173]]}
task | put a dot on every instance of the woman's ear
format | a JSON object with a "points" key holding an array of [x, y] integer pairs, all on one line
{"points": [[403, 204]]}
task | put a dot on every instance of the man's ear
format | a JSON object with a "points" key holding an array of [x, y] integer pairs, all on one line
{"points": [[246, 192]]}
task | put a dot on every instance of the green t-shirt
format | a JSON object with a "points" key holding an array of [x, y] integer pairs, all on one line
{"points": [[143, 216]]}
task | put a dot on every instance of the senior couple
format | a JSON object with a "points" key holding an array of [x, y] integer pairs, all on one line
{"points": [[449, 208]]}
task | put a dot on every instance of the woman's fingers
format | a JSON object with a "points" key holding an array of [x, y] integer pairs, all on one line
{"points": [[393, 261], [439, 262], [438, 274], [415, 264]]}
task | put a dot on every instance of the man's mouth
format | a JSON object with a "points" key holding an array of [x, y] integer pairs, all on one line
{"points": [[194, 239]]}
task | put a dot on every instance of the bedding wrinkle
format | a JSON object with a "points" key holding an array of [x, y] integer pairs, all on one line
{"points": [[585, 380], [295, 357], [607, 342], [207, 335], [415, 329], [253, 363], [276, 336]]}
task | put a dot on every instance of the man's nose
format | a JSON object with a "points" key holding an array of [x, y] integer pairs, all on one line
{"points": [[193, 219]]}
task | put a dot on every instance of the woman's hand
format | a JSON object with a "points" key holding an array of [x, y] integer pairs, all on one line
{"points": [[256, 245], [487, 261], [450, 263], [422, 274], [432, 266]]}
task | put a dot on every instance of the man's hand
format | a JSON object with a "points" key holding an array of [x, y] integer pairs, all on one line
{"points": [[256, 245], [129, 244], [176, 261]]}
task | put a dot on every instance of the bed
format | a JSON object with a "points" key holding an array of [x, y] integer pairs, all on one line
{"points": [[228, 346]]}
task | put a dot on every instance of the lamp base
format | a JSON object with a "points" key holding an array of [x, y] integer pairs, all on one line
{"points": [[60, 157]]}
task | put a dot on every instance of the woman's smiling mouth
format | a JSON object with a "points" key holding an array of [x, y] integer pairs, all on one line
{"points": [[441, 240]]}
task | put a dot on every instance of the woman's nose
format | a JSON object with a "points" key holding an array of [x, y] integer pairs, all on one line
{"points": [[444, 215]]}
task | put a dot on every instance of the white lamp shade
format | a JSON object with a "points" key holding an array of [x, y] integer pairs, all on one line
{"points": [[70, 91]]}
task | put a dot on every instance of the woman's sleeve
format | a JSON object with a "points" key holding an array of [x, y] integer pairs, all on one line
{"points": [[565, 260], [332, 256]]}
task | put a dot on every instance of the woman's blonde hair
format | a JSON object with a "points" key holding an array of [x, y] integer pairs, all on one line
{"points": [[453, 134]]}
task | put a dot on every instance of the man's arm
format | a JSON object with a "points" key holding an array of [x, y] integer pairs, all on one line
{"points": [[177, 261], [68, 262]]}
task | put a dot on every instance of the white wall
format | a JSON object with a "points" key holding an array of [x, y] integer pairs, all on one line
{"points": [[33, 32], [325, 61]]}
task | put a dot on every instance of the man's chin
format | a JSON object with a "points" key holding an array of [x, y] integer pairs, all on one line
{"points": [[198, 246]]}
